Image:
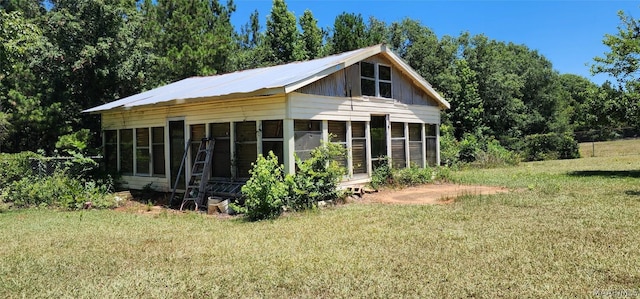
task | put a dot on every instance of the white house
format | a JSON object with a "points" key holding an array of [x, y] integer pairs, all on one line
{"points": [[370, 99]]}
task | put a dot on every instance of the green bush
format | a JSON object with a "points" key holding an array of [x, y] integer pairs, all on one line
{"points": [[449, 147], [265, 192], [316, 178], [495, 155], [382, 175], [550, 146], [13, 167], [385, 176], [57, 190], [413, 176]]}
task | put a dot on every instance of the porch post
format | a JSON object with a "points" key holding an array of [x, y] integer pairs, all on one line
{"points": [[367, 135], [288, 144], [438, 145]]}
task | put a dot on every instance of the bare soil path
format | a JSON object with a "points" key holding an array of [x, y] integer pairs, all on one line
{"points": [[430, 194]]}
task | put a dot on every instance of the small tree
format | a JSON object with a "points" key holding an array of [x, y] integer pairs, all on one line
{"points": [[317, 178], [265, 191]]}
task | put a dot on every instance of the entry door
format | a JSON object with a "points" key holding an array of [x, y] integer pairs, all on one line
{"points": [[378, 133], [176, 151]]}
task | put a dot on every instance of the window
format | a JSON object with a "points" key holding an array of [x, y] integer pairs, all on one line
{"points": [[398, 154], [143, 156], [221, 160], [111, 150], [375, 80], [415, 145], [272, 138], [307, 135], [339, 131], [157, 151], [246, 149], [431, 139], [358, 147], [148, 151], [126, 151]]}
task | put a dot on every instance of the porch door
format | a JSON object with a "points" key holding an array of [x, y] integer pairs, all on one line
{"points": [[176, 151], [378, 133]]}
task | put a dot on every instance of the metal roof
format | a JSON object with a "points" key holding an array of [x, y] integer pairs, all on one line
{"points": [[265, 81]]}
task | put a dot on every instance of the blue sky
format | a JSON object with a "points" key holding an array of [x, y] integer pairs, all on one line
{"points": [[568, 33]]}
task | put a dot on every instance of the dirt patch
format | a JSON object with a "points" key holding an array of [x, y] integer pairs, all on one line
{"points": [[430, 194]]}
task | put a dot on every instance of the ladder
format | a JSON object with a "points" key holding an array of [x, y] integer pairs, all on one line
{"points": [[200, 172]]}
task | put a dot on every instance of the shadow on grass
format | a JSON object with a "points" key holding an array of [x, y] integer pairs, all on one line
{"points": [[632, 192], [607, 173]]}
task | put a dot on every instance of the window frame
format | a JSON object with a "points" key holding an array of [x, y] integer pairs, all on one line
{"points": [[134, 147], [377, 80]]}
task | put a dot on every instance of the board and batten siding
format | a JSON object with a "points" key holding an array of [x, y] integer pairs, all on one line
{"points": [[304, 106], [346, 83]]}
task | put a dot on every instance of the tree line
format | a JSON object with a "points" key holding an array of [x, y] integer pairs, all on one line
{"points": [[58, 57]]}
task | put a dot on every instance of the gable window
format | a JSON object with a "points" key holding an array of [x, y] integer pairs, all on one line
{"points": [[375, 79]]}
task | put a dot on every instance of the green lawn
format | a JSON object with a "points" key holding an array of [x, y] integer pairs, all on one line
{"points": [[568, 229]]}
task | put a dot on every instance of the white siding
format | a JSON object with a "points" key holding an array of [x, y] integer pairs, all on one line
{"points": [[204, 112], [303, 106]]}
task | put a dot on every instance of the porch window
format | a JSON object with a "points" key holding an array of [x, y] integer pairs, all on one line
{"points": [[358, 147], [307, 135], [126, 151], [375, 79], [432, 146], [157, 151], [415, 145], [272, 138], [339, 131], [111, 150], [221, 160], [143, 156], [398, 154], [246, 147]]}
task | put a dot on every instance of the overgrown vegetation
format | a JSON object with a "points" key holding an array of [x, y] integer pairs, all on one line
{"points": [[269, 191], [265, 192], [30, 180], [566, 230], [316, 178], [386, 176]]}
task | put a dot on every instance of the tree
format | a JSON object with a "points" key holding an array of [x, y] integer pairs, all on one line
{"points": [[623, 63], [623, 60], [193, 38], [349, 33], [466, 114], [312, 35], [282, 34]]}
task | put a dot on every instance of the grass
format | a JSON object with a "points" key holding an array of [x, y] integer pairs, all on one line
{"points": [[569, 229], [610, 148]]}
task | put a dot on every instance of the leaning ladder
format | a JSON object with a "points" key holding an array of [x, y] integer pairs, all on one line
{"points": [[200, 172]]}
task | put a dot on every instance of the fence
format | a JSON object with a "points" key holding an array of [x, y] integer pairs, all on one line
{"points": [[47, 166]]}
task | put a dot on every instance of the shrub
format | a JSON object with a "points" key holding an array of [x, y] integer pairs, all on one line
{"points": [[413, 176], [382, 175], [449, 147], [550, 146], [316, 178], [496, 155], [57, 190], [265, 191], [13, 167]]}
